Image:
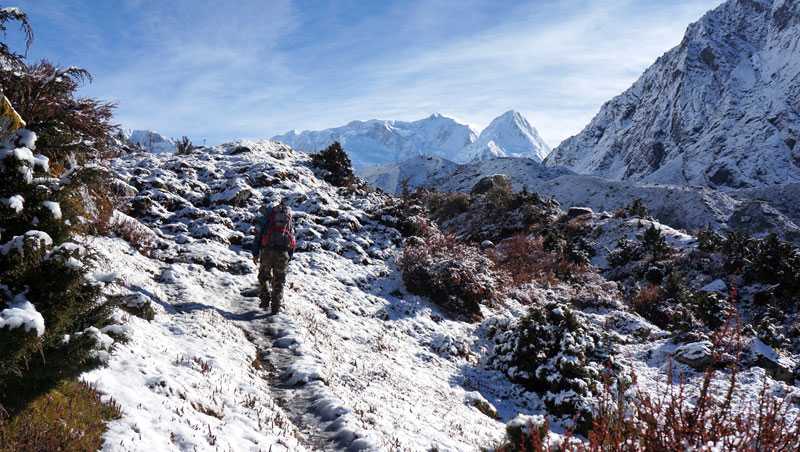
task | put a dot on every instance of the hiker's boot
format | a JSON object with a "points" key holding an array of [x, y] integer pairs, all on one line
{"points": [[276, 302], [265, 298]]}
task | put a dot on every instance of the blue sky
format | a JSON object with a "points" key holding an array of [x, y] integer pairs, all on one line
{"points": [[217, 71]]}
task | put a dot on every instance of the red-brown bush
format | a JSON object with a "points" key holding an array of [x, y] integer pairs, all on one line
{"points": [[454, 275]]}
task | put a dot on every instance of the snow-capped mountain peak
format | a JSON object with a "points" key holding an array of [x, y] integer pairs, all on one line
{"points": [[508, 135], [381, 142]]}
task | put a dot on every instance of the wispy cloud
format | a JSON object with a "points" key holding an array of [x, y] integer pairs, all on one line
{"points": [[253, 68]]}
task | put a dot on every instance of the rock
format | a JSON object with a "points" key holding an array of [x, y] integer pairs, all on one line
{"points": [[697, 355], [486, 244], [474, 398], [716, 285], [779, 367], [488, 183], [575, 212]]}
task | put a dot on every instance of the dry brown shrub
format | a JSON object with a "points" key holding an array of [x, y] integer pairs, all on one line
{"points": [[646, 298], [455, 275], [136, 234], [72, 416], [524, 260]]}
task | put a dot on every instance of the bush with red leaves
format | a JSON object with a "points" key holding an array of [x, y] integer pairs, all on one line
{"points": [[454, 275]]}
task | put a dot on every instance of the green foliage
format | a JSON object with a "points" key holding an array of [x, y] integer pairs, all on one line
{"points": [[637, 209], [46, 268], [336, 163], [654, 243], [557, 354], [709, 241], [626, 251], [184, 146], [774, 261]]}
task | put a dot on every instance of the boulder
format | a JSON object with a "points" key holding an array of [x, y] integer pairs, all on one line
{"points": [[474, 398], [779, 367], [575, 212], [487, 183], [697, 355]]}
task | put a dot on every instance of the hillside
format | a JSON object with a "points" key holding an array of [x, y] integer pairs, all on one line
{"points": [[718, 110], [357, 361]]}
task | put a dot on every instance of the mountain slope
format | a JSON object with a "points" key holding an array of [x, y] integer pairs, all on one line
{"points": [[416, 172], [720, 109], [508, 135], [377, 142]]}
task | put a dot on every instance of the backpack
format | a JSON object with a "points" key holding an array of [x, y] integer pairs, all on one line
{"points": [[280, 231]]}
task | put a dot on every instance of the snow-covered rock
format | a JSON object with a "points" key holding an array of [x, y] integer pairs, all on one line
{"points": [[698, 355], [720, 109]]}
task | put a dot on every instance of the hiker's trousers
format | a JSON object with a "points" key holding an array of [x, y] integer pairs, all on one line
{"points": [[272, 275]]}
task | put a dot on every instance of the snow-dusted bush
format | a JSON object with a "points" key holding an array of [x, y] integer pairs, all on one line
{"points": [[69, 128], [555, 352], [685, 418], [184, 146], [45, 297], [625, 252], [493, 215], [338, 170], [453, 274]]}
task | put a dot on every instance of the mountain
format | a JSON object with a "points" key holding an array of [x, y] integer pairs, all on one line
{"points": [[721, 109], [378, 142], [508, 135], [415, 172], [150, 141]]}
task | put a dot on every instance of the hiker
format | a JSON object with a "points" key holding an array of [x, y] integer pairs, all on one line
{"points": [[274, 246]]}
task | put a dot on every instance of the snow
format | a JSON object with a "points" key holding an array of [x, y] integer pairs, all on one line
{"points": [[378, 142], [21, 313], [508, 135], [417, 172], [15, 203], [54, 208], [716, 285], [26, 138], [17, 244]]}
